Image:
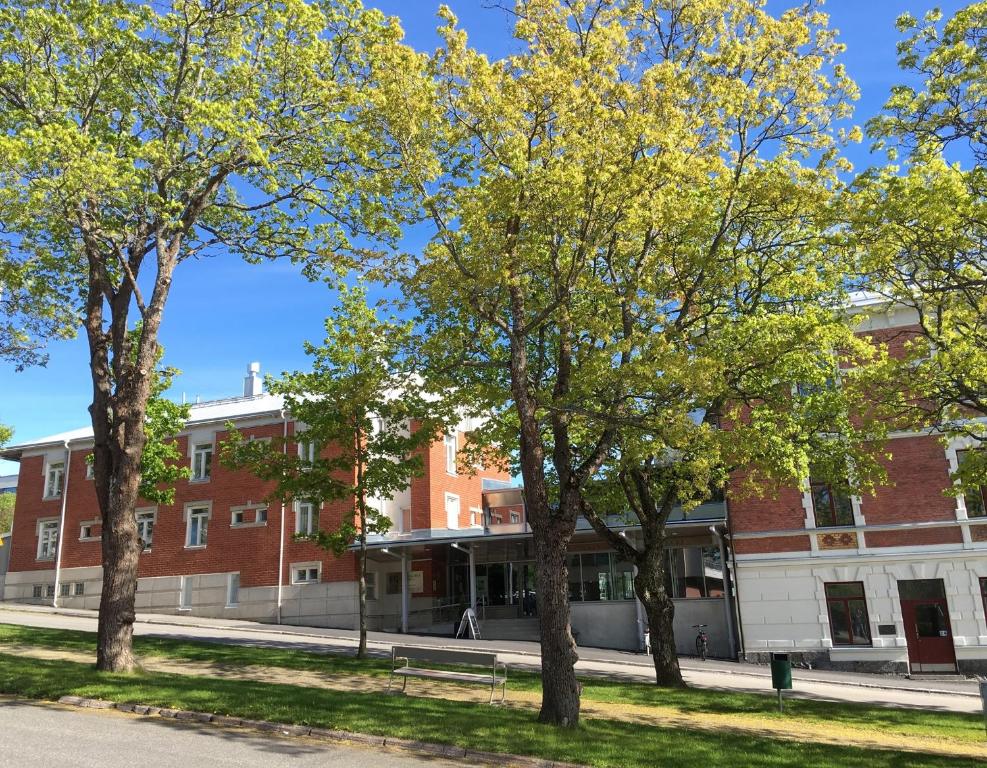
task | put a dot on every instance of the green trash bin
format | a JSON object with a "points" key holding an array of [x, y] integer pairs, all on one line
{"points": [[781, 672]]}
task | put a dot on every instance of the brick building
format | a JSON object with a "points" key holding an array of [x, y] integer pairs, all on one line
{"points": [[896, 581]]}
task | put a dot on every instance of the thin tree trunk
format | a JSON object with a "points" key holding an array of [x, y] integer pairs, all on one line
{"points": [[361, 651], [649, 584]]}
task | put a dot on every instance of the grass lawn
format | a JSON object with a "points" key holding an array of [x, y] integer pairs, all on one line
{"points": [[603, 743], [859, 717]]}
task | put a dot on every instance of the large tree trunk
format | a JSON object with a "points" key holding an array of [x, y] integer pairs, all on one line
{"points": [[121, 552], [649, 584], [560, 689]]}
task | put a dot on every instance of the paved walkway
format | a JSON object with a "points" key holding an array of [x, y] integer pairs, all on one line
{"points": [[952, 696]]}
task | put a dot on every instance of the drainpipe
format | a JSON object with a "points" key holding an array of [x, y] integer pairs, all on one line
{"points": [[61, 526], [284, 449], [726, 590], [405, 597]]}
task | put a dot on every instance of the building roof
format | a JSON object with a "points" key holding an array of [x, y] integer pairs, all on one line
{"points": [[201, 413]]}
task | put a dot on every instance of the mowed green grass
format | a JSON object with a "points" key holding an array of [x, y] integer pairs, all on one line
{"points": [[696, 702], [603, 743]]}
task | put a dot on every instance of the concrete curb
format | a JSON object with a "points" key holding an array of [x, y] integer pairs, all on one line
{"points": [[157, 620], [321, 734]]}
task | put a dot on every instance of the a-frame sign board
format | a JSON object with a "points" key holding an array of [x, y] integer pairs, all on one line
{"points": [[469, 624]]}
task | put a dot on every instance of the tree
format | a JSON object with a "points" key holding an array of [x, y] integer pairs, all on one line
{"points": [[6, 511], [135, 138], [921, 228], [365, 418], [592, 196]]}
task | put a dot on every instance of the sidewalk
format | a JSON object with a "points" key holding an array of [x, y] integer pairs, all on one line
{"points": [[959, 696]]}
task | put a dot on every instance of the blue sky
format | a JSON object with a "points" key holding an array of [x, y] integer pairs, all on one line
{"points": [[223, 313]]}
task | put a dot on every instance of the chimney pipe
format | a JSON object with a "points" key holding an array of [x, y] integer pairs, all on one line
{"points": [[253, 385]]}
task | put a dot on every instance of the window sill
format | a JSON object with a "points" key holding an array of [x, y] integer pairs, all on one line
{"points": [[44, 559], [304, 583], [249, 525], [90, 538], [195, 546], [198, 480], [52, 498], [234, 605]]}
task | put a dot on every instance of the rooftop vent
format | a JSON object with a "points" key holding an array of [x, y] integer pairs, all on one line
{"points": [[253, 384]]}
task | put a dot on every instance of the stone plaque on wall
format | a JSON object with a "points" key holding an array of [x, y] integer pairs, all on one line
{"points": [[842, 540], [416, 582]]}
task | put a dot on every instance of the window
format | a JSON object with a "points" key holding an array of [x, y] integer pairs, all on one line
{"points": [[371, 582], [452, 510], [515, 517], [394, 583], [79, 589], [201, 461], [306, 518], [305, 573], [847, 610], [54, 479], [38, 591], [65, 590], [451, 444], [694, 572], [975, 497], [308, 450], [185, 593], [47, 540], [88, 531], [145, 528], [49, 590], [90, 471], [232, 590], [197, 526], [983, 594], [830, 504], [247, 517], [599, 576]]}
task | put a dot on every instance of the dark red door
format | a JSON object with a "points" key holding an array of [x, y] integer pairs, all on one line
{"points": [[927, 629]]}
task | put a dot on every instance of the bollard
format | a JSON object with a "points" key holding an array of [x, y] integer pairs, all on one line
{"points": [[781, 675], [983, 701]]}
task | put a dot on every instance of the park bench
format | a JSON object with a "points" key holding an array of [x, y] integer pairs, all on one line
{"points": [[414, 661]]}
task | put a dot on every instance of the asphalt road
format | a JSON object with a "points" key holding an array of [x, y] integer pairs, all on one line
{"points": [[936, 695], [39, 736]]}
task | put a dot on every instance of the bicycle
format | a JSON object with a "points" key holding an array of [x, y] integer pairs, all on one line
{"points": [[702, 641]]}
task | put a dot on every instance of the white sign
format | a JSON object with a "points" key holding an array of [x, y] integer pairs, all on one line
{"points": [[416, 582]]}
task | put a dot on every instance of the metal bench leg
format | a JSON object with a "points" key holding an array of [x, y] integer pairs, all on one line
{"points": [[405, 685], [389, 681], [503, 694], [492, 687]]}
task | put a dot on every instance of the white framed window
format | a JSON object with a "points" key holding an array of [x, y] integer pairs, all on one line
{"points": [[452, 445], [201, 461], [371, 585], [196, 525], [248, 516], [49, 590], [79, 589], [515, 517], [145, 526], [476, 516], [87, 531], [232, 590], [65, 590], [38, 591], [54, 479], [47, 540], [306, 573], [308, 450], [185, 593], [90, 470], [452, 510], [306, 518]]}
